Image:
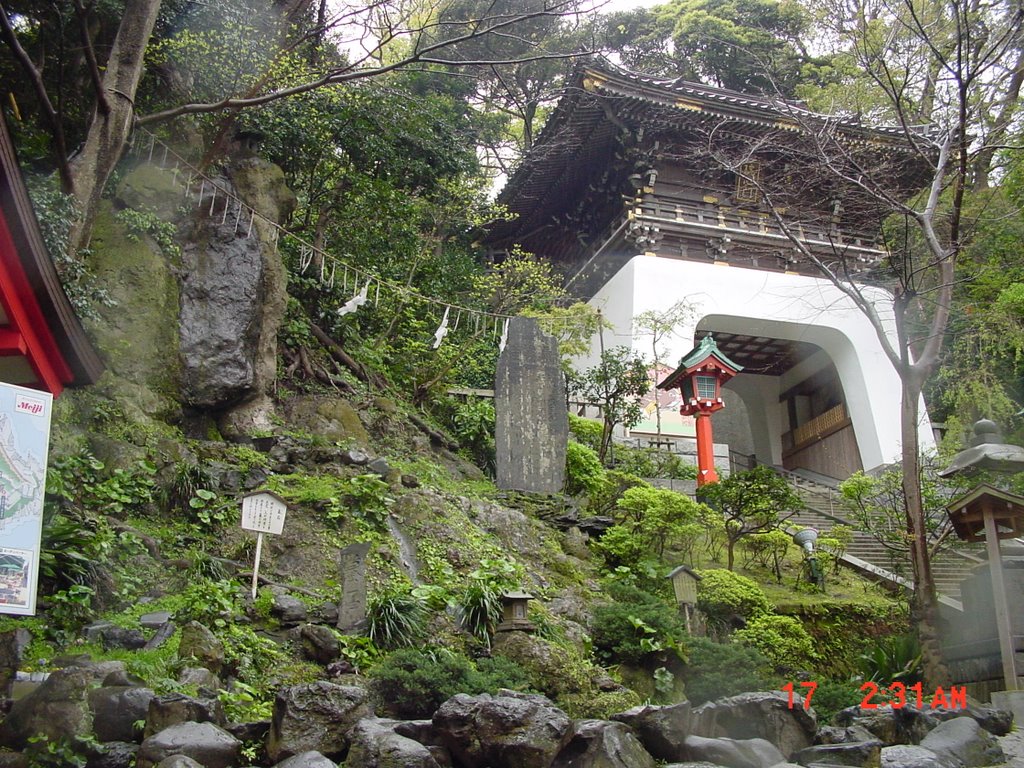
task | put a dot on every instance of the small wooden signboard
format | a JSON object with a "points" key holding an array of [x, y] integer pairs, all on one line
{"points": [[263, 512]]}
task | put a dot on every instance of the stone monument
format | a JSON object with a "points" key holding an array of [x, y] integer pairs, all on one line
{"points": [[532, 426], [352, 609]]}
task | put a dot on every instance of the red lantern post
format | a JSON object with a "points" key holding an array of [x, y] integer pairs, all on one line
{"points": [[700, 377]]}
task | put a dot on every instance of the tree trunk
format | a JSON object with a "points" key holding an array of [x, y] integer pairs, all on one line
{"points": [[606, 439], [925, 606], [109, 131]]}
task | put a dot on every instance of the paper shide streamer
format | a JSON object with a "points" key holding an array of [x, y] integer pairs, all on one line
{"points": [[442, 329], [355, 302]]}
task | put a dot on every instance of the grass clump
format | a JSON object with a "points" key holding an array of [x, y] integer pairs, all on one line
{"points": [[396, 619]]}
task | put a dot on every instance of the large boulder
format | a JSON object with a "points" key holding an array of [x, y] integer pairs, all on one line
{"points": [[765, 715], [962, 738], [602, 744], [315, 716], [662, 730], [903, 725], [311, 759], [199, 643], [734, 753], [319, 643], [288, 610], [424, 732], [996, 721], [208, 745], [914, 756], [233, 298], [375, 744], [333, 419], [178, 761], [141, 283], [173, 708], [510, 730], [862, 754], [199, 678], [834, 734], [114, 754], [58, 710], [117, 709]]}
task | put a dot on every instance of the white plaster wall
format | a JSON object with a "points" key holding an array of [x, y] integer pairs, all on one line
{"points": [[777, 305]]}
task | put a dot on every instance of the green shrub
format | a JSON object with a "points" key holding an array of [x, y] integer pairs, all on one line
{"points": [[473, 424], [620, 547], [500, 672], [73, 549], [586, 431], [659, 516], [723, 595], [583, 470], [213, 603], [615, 484], [651, 462], [714, 670], [412, 683], [479, 608], [831, 696], [782, 639], [396, 619], [767, 549], [635, 626], [714, 532], [369, 496]]}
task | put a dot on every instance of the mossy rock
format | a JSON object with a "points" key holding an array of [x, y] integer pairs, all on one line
{"points": [[330, 418], [138, 336], [150, 187], [554, 670], [640, 678]]}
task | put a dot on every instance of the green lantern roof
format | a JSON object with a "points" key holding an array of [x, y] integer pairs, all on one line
{"points": [[707, 348]]}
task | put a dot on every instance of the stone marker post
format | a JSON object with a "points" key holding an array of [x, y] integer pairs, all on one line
{"points": [[352, 610], [532, 427]]}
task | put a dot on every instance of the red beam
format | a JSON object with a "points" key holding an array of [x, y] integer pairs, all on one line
{"points": [[12, 342], [27, 320]]}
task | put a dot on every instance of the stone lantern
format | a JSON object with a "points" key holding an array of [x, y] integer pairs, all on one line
{"points": [[989, 514], [514, 612], [700, 377]]}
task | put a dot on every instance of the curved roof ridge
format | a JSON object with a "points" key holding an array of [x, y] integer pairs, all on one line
{"points": [[776, 105]]}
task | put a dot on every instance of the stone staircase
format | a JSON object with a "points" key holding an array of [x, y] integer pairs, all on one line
{"points": [[866, 555]]}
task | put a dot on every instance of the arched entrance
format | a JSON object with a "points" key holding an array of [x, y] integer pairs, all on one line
{"points": [[796, 408], [807, 347]]}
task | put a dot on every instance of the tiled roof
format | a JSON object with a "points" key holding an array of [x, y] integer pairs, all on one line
{"points": [[602, 102]]}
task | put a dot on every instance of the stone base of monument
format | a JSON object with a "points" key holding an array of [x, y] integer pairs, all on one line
{"points": [[1012, 701], [520, 625]]}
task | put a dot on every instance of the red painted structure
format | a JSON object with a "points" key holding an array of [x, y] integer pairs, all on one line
{"points": [[42, 343], [700, 377]]}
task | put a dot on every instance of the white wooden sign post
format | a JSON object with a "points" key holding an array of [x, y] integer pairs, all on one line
{"points": [[263, 512]]}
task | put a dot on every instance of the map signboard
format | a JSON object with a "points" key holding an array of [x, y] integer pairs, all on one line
{"points": [[24, 447]]}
